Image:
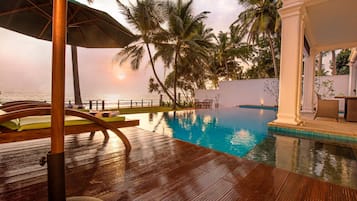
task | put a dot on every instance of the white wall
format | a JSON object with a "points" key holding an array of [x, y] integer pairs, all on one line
{"points": [[239, 92], [251, 92], [340, 84]]}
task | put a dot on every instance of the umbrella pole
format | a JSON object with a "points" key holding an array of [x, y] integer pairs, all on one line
{"points": [[55, 159]]}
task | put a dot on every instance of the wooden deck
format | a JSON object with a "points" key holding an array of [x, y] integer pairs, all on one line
{"points": [[158, 168]]}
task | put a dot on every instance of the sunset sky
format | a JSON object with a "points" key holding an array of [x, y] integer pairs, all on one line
{"points": [[26, 62]]}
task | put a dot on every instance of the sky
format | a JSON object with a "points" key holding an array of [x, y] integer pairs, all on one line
{"points": [[26, 62]]}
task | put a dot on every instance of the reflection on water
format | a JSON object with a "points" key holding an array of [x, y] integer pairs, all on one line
{"points": [[243, 133], [231, 130], [328, 161]]}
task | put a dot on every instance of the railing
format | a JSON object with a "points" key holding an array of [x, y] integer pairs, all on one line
{"points": [[108, 105], [100, 104]]}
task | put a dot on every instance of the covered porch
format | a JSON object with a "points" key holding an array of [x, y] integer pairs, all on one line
{"points": [[309, 27]]}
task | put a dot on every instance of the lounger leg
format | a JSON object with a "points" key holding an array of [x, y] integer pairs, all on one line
{"points": [[106, 136], [124, 139], [91, 135]]}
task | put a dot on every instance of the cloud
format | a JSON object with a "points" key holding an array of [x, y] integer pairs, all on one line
{"points": [[222, 13]]}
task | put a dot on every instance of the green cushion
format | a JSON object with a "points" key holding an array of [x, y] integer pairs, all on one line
{"points": [[12, 124], [70, 121]]}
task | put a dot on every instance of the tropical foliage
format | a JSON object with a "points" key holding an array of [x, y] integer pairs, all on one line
{"points": [[194, 57], [227, 55], [185, 46], [262, 20], [342, 61], [146, 17]]}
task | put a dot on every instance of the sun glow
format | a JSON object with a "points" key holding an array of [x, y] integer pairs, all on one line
{"points": [[121, 75]]}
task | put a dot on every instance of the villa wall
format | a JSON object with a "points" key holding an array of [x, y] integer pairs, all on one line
{"points": [[239, 92], [254, 91]]}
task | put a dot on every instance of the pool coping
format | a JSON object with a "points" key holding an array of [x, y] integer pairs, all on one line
{"points": [[301, 131], [265, 107]]}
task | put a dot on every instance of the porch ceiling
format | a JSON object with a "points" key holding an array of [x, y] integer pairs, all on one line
{"points": [[331, 24]]}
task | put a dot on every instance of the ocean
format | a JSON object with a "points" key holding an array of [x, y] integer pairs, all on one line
{"points": [[111, 100]]}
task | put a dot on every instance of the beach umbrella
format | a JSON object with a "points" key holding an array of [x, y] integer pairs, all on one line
{"points": [[71, 23], [87, 27]]}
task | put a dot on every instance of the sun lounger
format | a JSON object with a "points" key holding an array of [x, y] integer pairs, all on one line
{"points": [[25, 105], [34, 123]]}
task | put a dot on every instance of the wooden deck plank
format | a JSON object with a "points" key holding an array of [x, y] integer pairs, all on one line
{"points": [[158, 168], [262, 183]]}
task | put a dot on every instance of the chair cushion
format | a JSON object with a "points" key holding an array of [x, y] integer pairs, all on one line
{"points": [[12, 124], [40, 122]]}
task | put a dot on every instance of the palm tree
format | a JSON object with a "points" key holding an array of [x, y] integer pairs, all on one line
{"points": [[229, 47], [76, 88], [262, 19], [184, 40], [146, 17]]}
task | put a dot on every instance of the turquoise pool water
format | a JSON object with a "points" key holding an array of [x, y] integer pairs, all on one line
{"points": [[231, 130], [243, 132], [222, 130]]}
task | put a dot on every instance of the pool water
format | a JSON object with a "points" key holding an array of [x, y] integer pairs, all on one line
{"points": [[243, 132]]}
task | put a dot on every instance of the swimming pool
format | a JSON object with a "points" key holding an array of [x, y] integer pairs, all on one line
{"points": [[243, 132]]}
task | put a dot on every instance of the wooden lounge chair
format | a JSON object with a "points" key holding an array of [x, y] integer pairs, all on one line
{"points": [[326, 108], [12, 128], [20, 102]]}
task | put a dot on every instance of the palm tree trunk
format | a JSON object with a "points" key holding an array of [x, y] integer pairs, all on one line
{"points": [[175, 78], [155, 74], [333, 62], [226, 66], [77, 90], [319, 64], [273, 55]]}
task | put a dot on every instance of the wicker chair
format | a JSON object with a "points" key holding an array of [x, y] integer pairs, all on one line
{"points": [[326, 108]]}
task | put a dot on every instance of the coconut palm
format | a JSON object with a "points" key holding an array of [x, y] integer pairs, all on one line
{"points": [[228, 51], [184, 44], [193, 65], [145, 16], [261, 19]]}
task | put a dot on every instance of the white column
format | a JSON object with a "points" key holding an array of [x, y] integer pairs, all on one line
{"points": [[308, 83], [353, 73], [292, 38], [352, 79]]}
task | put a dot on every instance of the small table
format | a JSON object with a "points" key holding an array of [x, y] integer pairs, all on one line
{"points": [[350, 107], [103, 113]]}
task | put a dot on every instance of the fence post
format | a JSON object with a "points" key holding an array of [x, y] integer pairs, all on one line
{"points": [[179, 98], [131, 103], [160, 102], [118, 104], [142, 102], [90, 104], [96, 105], [103, 105], [151, 102]]}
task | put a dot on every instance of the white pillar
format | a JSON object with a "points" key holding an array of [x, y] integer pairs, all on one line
{"points": [[308, 83], [353, 73], [292, 38], [352, 79]]}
